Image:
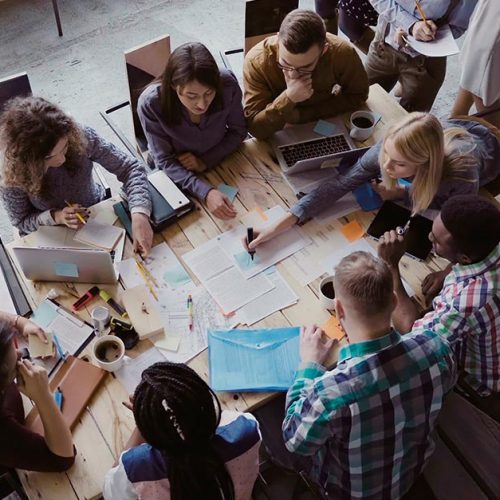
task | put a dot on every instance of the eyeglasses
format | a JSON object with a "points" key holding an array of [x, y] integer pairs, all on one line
{"points": [[301, 71]]}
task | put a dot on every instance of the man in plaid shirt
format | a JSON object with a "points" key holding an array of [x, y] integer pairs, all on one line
{"points": [[467, 310], [368, 423]]}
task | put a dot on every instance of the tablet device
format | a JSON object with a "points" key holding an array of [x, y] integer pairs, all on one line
{"points": [[390, 216]]}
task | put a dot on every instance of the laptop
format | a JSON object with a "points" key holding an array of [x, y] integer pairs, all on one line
{"points": [[298, 148], [79, 265]]}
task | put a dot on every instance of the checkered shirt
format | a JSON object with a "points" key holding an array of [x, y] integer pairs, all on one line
{"points": [[467, 314], [368, 423]]}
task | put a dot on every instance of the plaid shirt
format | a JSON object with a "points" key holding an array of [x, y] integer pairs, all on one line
{"points": [[368, 423], [467, 314]]}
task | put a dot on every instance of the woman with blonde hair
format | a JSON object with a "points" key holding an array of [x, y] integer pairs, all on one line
{"points": [[47, 162], [435, 160]]}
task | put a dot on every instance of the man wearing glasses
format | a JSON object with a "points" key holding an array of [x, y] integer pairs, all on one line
{"points": [[300, 75]]}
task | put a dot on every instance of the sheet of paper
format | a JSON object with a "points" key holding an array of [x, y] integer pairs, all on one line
{"points": [[208, 260], [443, 44], [162, 263], [255, 360], [345, 206], [53, 236], [269, 253], [130, 373], [99, 235], [352, 230], [103, 212], [278, 298], [229, 191]]}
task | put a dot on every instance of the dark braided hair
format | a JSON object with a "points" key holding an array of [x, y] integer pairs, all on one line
{"points": [[178, 413]]}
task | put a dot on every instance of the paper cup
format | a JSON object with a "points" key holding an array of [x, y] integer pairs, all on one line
{"points": [[108, 352], [100, 319], [362, 125], [327, 293]]}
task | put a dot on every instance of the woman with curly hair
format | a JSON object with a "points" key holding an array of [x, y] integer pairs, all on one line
{"points": [[48, 159]]}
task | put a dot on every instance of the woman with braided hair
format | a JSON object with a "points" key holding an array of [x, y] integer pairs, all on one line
{"points": [[184, 447]]}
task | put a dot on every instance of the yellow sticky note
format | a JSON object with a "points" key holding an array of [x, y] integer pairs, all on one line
{"points": [[39, 349], [333, 329], [353, 230]]}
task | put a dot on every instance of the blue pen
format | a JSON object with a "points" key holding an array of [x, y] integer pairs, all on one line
{"points": [[58, 347], [58, 397]]}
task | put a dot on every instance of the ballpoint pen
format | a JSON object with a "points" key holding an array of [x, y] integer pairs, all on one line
{"points": [[58, 347]]}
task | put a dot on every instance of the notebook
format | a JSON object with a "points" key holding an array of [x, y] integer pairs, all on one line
{"points": [[99, 235]]}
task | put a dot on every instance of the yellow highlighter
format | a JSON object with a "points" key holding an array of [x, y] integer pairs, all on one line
{"points": [[79, 217]]}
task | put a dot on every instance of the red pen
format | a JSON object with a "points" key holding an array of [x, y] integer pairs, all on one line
{"points": [[85, 299]]}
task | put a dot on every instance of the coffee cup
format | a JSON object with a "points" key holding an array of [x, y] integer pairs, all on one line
{"points": [[327, 293], [108, 352], [362, 125], [100, 319]]}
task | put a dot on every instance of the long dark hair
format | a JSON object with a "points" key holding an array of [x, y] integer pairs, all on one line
{"points": [[188, 62], [178, 413]]}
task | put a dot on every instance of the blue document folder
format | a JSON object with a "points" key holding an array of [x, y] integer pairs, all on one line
{"points": [[253, 360]]}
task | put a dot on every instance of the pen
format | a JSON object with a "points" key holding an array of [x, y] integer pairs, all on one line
{"points": [[58, 397], [249, 240], [58, 347], [401, 231], [190, 311], [112, 303], [85, 299], [78, 216]]}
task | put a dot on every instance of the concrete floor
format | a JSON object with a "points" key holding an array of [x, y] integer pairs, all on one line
{"points": [[83, 71]]}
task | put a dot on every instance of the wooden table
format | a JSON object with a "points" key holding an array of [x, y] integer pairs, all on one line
{"points": [[106, 424]]}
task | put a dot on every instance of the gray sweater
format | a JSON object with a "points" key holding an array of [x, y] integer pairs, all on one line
{"points": [[27, 212], [486, 152]]}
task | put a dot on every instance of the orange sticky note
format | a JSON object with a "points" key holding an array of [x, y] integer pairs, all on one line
{"points": [[333, 329], [353, 230]]}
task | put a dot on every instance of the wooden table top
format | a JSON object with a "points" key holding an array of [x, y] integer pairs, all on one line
{"points": [[106, 425]]}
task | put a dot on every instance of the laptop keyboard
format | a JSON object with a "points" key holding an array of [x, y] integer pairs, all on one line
{"points": [[314, 149]]}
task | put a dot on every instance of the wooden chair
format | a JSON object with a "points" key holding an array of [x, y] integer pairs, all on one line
{"points": [[143, 64], [263, 18]]}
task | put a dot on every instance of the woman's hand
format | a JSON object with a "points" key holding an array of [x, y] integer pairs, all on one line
{"points": [[269, 232], [27, 328], [67, 216], [397, 193], [219, 205], [191, 162], [142, 233], [32, 380]]}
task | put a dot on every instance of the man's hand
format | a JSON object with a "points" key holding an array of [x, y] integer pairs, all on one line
{"points": [[27, 328], [219, 205], [433, 283], [32, 380], [424, 31], [312, 348], [391, 247], [142, 233], [191, 162], [298, 89], [67, 216]]}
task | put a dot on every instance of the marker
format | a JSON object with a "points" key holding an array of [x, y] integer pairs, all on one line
{"points": [[249, 240], [401, 231], [190, 311], [58, 347], [86, 299], [78, 216], [112, 303]]}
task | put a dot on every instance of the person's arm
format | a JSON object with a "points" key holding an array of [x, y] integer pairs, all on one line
{"points": [[350, 74], [236, 130], [264, 113], [365, 169], [164, 155]]}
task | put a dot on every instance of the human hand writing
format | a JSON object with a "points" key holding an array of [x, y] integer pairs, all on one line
{"points": [[424, 31]]}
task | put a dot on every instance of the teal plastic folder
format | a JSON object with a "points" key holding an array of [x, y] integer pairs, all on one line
{"points": [[253, 360]]}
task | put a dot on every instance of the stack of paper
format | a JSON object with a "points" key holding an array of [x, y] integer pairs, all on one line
{"points": [[99, 235]]}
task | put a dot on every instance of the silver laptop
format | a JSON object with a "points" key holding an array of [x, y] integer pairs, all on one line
{"points": [[298, 148], [80, 265]]}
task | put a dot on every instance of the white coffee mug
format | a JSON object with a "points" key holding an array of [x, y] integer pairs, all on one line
{"points": [[362, 125], [100, 319], [325, 292], [109, 352]]}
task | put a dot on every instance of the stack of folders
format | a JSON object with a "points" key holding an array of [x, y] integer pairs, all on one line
{"points": [[253, 360]]}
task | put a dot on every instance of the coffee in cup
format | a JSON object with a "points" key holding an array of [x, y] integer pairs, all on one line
{"points": [[327, 293], [109, 352], [362, 125]]}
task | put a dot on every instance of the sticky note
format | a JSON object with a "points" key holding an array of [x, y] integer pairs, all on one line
{"points": [[353, 230], [168, 342], [244, 260], [176, 276], [325, 128], [44, 315], [333, 329], [229, 191], [66, 269]]}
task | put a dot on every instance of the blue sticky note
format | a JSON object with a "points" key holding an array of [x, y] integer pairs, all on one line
{"points": [[176, 276], [367, 198], [229, 191], [244, 260], [325, 128], [44, 314], [66, 269]]}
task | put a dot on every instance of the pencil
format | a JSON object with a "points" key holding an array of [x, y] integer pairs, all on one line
{"points": [[146, 270], [79, 217], [145, 278], [421, 11]]}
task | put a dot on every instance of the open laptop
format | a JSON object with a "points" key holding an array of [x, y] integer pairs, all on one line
{"points": [[80, 265], [298, 148]]}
